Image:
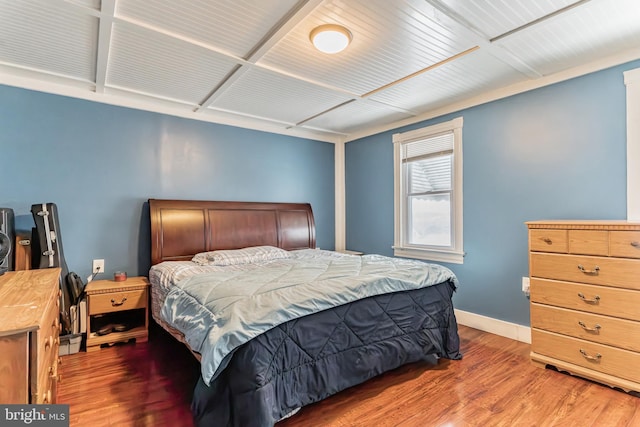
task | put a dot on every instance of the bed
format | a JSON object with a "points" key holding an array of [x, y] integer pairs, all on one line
{"points": [[278, 324]]}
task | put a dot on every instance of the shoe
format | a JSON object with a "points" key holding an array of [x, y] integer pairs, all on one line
{"points": [[121, 327], [105, 330]]}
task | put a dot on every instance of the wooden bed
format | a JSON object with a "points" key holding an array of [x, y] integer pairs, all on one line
{"points": [[252, 392]]}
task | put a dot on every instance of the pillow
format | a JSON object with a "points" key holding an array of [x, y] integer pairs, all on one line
{"points": [[240, 256]]}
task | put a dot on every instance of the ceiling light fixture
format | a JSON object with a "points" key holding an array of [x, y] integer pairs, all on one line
{"points": [[330, 38]]}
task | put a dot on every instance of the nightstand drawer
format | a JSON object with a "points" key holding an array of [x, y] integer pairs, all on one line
{"points": [[591, 327], [117, 301], [616, 302], [598, 357], [617, 272]]}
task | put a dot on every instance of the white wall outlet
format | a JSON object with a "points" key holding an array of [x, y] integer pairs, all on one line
{"points": [[525, 285], [98, 266]]}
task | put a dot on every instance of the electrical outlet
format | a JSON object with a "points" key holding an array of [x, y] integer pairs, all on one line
{"points": [[98, 266], [525, 285]]}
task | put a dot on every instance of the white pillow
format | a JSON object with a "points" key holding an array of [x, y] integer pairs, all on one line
{"points": [[240, 256]]}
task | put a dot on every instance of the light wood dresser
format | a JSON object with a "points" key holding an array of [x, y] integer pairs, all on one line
{"points": [[29, 330], [585, 299]]}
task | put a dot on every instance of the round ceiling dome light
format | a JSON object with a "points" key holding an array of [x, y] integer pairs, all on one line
{"points": [[330, 38]]}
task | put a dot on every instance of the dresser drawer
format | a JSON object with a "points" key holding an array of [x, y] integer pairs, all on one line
{"points": [[616, 302], [624, 244], [543, 240], [591, 327], [617, 272], [598, 357], [47, 380], [117, 301], [589, 242], [48, 338]]}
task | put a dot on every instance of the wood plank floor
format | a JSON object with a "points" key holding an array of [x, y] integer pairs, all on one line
{"points": [[150, 384]]}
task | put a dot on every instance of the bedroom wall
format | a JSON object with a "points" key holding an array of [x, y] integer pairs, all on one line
{"points": [[552, 153], [100, 164]]}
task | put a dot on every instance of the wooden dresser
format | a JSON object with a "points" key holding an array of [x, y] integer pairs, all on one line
{"points": [[29, 329], [585, 299]]}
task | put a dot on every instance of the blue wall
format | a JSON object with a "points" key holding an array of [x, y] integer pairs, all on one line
{"points": [[552, 153], [100, 164]]}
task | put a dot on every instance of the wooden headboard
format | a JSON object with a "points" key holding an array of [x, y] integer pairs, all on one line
{"points": [[182, 228]]}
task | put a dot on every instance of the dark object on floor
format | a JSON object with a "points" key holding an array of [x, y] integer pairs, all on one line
{"points": [[7, 239], [5, 249]]}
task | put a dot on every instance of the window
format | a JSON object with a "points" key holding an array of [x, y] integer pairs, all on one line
{"points": [[428, 193]]}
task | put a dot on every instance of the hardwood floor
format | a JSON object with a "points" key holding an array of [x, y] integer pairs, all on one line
{"points": [[150, 384]]}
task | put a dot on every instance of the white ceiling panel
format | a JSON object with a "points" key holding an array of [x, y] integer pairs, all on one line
{"points": [[468, 76], [390, 41], [250, 63], [279, 97], [595, 30], [152, 63], [57, 40], [357, 115], [90, 4], [233, 26], [496, 17]]}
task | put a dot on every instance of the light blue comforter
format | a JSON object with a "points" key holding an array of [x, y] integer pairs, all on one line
{"points": [[218, 312]]}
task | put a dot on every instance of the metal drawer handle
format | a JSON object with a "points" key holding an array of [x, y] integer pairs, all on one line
{"points": [[593, 272], [635, 244], [595, 329], [595, 299], [547, 240], [587, 356], [117, 304]]}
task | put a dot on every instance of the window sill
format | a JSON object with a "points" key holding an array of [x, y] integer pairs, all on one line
{"points": [[453, 257]]}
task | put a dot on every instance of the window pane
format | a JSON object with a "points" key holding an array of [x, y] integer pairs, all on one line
{"points": [[430, 220], [430, 174]]}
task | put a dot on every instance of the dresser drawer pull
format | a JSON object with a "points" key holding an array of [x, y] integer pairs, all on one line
{"points": [[635, 244], [593, 272], [547, 240], [595, 299], [595, 329], [587, 356], [117, 304]]}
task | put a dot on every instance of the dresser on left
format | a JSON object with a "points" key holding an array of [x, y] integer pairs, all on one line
{"points": [[29, 330]]}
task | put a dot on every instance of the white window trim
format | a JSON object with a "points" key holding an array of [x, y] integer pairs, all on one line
{"points": [[632, 81], [456, 255]]}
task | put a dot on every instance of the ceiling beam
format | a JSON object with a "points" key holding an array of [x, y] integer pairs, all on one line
{"points": [[107, 14]]}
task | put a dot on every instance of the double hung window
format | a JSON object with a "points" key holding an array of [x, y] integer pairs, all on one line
{"points": [[428, 193]]}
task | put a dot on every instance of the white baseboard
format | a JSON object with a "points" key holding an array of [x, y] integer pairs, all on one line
{"points": [[494, 326]]}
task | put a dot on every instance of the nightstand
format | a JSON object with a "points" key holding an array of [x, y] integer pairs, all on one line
{"points": [[117, 311]]}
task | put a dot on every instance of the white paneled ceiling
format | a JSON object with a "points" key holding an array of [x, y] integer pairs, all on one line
{"points": [[250, 63]]}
